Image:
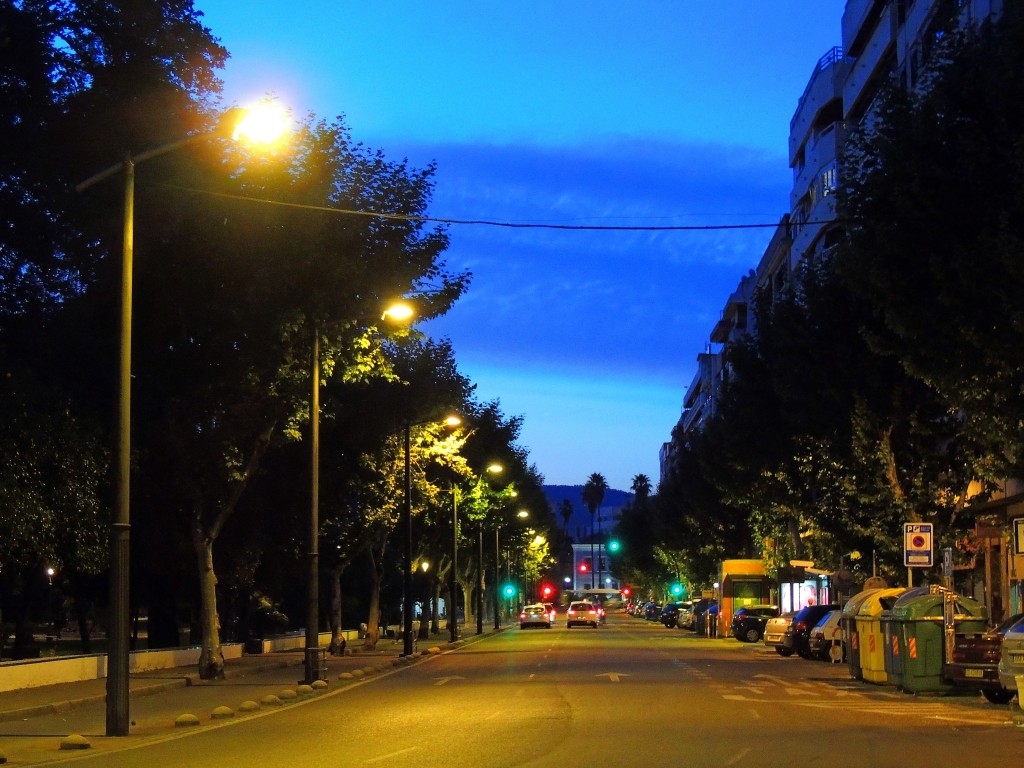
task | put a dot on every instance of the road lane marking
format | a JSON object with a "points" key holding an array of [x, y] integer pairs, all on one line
{"points": [[612, 676], [390, 755], [743, 753], [446, 680]]}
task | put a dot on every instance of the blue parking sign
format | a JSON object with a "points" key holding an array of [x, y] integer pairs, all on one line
{"points": [[917, 545]]}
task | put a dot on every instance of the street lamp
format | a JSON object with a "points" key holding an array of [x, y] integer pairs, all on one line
{"points": [[493, 468], [253, 126], [453, 605], [407, 636], [396, 312]]}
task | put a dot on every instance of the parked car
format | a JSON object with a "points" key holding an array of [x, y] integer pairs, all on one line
{"points": [[1011, 657], [976, 658], [581, 612], [799, 630], [684, 617], [652, 611], [669, 614], [534, 616], [700, 614], [776, 633], [828, 635], [749, 621]]}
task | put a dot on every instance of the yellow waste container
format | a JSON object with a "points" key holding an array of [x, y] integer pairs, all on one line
{"points": [[869, 629], [849, 622]]}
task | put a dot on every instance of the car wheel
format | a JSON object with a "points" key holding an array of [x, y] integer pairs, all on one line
{"points": [[752, 635], [1000, 696], [804, 654], [783, 651]]}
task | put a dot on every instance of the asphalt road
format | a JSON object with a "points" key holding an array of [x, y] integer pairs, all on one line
{"points": [[629, 693]]}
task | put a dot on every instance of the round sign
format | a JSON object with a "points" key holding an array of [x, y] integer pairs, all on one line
{"points": [[918, 541]]}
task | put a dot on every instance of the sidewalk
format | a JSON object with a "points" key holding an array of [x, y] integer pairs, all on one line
{"points": [[25, 703]]}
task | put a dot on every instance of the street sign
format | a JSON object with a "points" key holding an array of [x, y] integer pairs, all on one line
{"points": [[917, 545]]}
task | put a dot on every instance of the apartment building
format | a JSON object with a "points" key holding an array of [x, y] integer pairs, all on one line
{"points": [[882, 40]]}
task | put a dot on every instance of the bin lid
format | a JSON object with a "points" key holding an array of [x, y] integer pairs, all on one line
{"points": [[854, 603], [929, 606], [880, 600]]}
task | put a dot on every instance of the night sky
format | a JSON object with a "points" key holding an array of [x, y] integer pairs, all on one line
{"points": [[642, 114]]}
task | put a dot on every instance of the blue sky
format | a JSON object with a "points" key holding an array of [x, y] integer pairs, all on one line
{"points": [[670, 113]]}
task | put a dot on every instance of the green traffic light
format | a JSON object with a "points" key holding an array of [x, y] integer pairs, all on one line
{"points": [[509, 590], [613, 545], [677, 589]]}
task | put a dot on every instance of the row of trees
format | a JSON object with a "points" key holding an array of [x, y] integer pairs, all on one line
{"points": [[886, 383], [242, 265]]}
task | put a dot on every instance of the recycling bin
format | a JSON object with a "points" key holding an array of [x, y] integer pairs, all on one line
{"points": [[891, 640], [919, 629], [849, 623], [869, 630]]}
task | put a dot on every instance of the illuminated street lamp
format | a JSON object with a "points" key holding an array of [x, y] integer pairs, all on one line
{"points": [[263, 126], [494, 468], [407, 635], [395, 312]]}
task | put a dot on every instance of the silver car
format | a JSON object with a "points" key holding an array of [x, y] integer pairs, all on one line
{"points": [[775, 635], [1011, 658]]}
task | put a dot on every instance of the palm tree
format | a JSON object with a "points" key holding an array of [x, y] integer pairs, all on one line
{"points": [[593, 495], [566, 512], [641, 489]]}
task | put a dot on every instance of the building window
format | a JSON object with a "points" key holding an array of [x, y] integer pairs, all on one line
{"points": [[828, 181]]}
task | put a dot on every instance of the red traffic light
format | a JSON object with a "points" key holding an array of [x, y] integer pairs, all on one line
{"points": [[584, 567], [626, 591], [547, 590]]}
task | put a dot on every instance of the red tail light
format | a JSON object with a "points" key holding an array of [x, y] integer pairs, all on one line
{"points": [[800, 626]]}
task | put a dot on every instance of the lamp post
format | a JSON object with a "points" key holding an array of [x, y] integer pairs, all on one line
{"points": [[480, 582], [453, 583], [253, 126], [397, 312], [312, 652], [407, 632]]}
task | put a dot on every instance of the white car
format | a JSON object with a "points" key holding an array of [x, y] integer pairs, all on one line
{"points": [[1011, 658], [828, 639], [534, 616], [581, 612]]}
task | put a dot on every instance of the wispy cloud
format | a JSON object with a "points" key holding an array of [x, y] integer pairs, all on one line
{"points": [[640, 300]]}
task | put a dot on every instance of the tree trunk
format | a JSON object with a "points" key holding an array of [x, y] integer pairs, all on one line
{"points": [[337, 646], [211, 656], [373, 619], [435, 608]]}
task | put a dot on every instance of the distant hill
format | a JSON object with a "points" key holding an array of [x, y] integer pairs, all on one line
{"points": [[579, 524]]}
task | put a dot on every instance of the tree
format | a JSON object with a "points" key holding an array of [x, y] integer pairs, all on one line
{"points": [[52, 468], [592, 496], [641, 487], [931, 196], [566, 510]]}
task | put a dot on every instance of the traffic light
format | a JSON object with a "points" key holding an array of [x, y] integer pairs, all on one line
{"points": [[626, 591], [509, 590], [584, 567], [547, 591], [613, 545], [677, 589]]}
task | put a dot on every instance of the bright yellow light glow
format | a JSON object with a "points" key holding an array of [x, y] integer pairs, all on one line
{"points": [[453, 421], [398, 312], [265, 124], [495, 468], [522, 513]]}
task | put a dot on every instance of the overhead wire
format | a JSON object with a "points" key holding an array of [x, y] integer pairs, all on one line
{"points": [[487, 222]]}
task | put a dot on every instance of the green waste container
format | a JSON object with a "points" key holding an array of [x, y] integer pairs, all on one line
{"points": [[869, 630], [890, 636], [918, 622], [849, 623]]}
